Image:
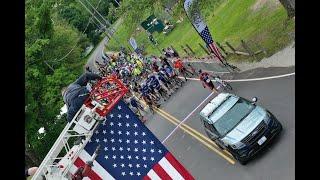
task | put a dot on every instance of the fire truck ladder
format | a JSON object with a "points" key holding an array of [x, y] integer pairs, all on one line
{"points": [[103, 97]]}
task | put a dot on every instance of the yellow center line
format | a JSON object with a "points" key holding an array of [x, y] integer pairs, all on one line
{"points": [[203, 139], [204, 142], [195, 131]]}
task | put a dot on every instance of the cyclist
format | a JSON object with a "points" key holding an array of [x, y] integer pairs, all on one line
{"points": [[178, 64], [154, 84], [206, 81]]}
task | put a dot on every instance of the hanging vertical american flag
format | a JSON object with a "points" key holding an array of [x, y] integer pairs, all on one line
{"points": [[202, 29], [206, 36], [128, 150]]}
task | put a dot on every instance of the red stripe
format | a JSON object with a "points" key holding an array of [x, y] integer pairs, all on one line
{"points": [[216, 50], [92, 175], [161, 172], [146, 177], [175, 163]]}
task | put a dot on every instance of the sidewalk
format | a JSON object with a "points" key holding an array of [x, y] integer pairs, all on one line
{"points": [[283, 58]]}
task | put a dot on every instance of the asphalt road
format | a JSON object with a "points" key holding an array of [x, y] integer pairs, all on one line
{"points": [[277, 95], [97, 55], [277, 162]]}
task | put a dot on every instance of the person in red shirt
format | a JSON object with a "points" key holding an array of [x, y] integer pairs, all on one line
{"points": [[206, 81], [178, 64]]}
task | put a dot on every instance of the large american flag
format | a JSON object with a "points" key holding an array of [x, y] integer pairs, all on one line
{"points": [[206, 36], [129, 150]]}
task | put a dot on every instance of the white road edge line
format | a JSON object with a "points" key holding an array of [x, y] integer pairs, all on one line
{"points": [[254, 79], [186, 118]]}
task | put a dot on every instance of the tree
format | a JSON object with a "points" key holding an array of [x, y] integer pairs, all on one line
{"points": [[44, 22], [289, 5]]}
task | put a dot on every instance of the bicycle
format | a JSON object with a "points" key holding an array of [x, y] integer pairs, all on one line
{"points": [[224, 84]]}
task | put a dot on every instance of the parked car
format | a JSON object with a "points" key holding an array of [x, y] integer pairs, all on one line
{"points": [[239, 125]]}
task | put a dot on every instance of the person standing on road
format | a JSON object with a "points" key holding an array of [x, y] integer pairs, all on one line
{"points": [[76, 93], [206, 81]]}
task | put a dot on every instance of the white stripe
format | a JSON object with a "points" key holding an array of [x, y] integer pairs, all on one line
{"points": [[186, 118], [97, 168], [254, 79], [259, 79], [170, 170], [153, 175]]}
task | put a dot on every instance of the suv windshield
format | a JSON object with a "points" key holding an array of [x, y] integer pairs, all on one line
{"points": [[233, 116]]}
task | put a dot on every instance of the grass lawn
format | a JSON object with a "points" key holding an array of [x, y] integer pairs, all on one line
{"points": [[260, 22]]}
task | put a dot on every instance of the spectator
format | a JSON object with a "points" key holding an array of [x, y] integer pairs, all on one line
{"points": [[76, 93]]}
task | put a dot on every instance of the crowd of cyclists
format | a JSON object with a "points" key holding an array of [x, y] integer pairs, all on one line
{"points": [[153, 79]]}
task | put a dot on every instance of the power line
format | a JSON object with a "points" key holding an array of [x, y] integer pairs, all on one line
{"points": [[78, 38]]}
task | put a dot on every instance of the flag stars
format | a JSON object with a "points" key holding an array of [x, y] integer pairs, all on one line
{"points": [[127, 141], [111, 132], [121, 157], [97, 140], [127, 124], [114, 157], [136, 133], [135, 149], [120, 140], [152, 158], [105, 140], [121, 149], [135, 125], [136, 141], [97, 132], [114, 165], [129, 157], [145, 166], [106, 157], [123, 173], [127, 116], [144, 150], [119, 124], [138, 174], [143, 133], [159, 151], [137, 157], [111, 115], [138, 165], [119, 132], [128, 149], [112, 140], [104, 131], [130, 165], [143, 142], [119, 107], [122, 165], [152, 150], [127, 133], [119, 116], [131, 173], [111, 123], [144, 158], [113, 148], [105, 148], [151, 142]]}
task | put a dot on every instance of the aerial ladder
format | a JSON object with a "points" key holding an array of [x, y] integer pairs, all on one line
{"points": [[57, 164]]}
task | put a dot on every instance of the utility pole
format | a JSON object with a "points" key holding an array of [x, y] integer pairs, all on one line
{"points": [[106, 21]]}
